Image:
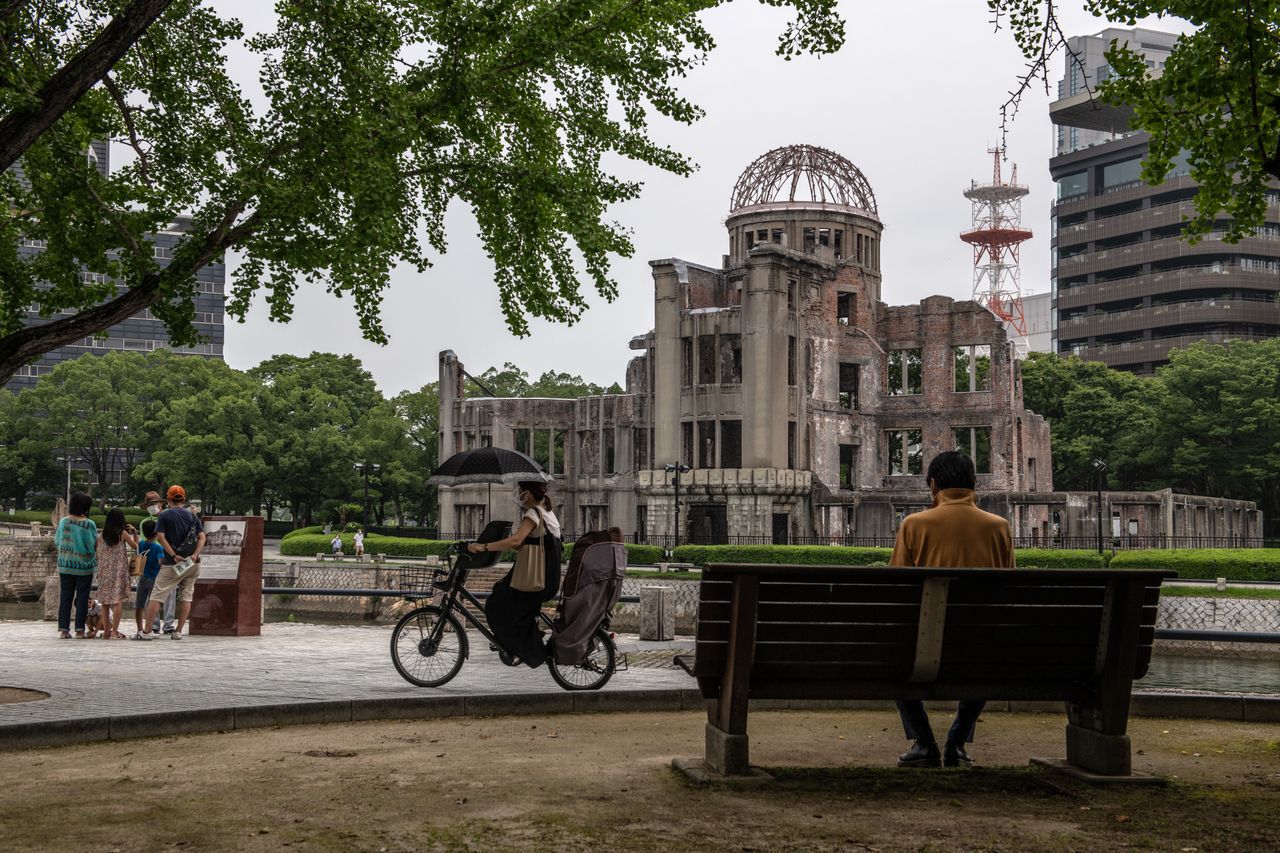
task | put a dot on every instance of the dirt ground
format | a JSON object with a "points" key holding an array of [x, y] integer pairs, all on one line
{"points": [[604, 782]]}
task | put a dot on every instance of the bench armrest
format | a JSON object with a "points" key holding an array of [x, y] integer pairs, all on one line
{"points": [[685, 662]]}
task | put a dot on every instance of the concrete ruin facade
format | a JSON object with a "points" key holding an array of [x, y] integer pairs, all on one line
{"points": [[805, 408]]}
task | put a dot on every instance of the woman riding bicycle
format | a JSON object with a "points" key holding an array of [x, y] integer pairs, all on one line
{"points": [[512, 611]]}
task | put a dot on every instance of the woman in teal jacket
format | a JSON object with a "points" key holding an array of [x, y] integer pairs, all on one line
{"points": [[77, 540]]}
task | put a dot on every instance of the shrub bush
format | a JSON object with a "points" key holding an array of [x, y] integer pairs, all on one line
{"points": [[310, 541], [804, 555], [1237, 564], [304, 531], [1050, 558], [637, 555]]}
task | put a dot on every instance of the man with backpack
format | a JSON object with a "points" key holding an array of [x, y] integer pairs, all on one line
{"points": [[181, 535]]}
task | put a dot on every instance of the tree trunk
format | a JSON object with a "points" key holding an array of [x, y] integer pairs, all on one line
{"points": [[22, 127]]}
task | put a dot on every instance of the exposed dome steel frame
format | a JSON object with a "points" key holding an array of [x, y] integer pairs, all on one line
{"points": [[784, 174]]}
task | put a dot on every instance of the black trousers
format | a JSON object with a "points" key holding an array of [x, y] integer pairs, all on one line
{"points": [[73, 587], [915, 721]]}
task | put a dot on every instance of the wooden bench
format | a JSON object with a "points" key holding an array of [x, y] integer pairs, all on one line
{"points": [[804, 632]]}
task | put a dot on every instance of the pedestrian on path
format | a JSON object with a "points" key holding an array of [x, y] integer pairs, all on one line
{"points": [[154, 504], [77, 543], [154, 552], [181, 535], [337, 544], [358, 540], [115, 544]]}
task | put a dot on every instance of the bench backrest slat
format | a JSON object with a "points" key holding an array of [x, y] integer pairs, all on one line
{"points": [[1015, 631]]}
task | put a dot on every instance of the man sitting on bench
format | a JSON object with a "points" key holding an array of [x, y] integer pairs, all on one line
{"points": [[954, 533]]}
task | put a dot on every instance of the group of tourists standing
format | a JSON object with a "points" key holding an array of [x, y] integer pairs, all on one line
{"points": [[167, 548]]}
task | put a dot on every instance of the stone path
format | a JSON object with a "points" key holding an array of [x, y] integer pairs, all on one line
{"points": [[289, 665]]}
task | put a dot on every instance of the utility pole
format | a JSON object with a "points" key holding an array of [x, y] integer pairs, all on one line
{"points": [[1101, 467], [364, 468], [676, 469]]}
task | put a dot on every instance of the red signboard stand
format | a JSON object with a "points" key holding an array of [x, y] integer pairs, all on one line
{"points": [[228, 599]]}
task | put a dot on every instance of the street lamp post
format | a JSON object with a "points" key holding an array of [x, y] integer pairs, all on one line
{"points": [[676, 469], [1101, 467], [365, 468]]}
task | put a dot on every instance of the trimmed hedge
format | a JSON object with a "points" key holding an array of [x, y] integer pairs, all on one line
{"points": [[304, 543], [304, 531], [804, 555], [637, 555], [834, 555], [1051, 558], [26, 516], [1237, 564]]}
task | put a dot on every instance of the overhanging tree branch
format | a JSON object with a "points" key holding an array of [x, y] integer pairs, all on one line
{"points": [[21, 128]]}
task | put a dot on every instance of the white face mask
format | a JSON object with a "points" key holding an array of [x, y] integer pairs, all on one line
{"points": [[153, 509]]}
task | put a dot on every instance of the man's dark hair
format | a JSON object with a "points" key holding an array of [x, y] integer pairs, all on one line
{"points": [[80, 504], [952, 469]]}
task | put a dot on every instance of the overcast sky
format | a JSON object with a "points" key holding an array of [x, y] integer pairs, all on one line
{"points": [[912, 99]]}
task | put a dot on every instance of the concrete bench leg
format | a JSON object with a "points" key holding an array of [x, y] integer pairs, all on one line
{"points": [[726, 753], [1108, 755]]}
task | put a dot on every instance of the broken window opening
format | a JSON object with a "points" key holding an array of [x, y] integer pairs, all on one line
{"points": [[791, 294], [730, 359], [848, 466], [824, 236], [906, 451], [609, 467], [849, 380], [686, 443], [542, 448], [640, 446], [594, 517], [751, 240], [860, 248], [810, 238], [776, 236], [905, 372], [686, 362], [706, 444], [706, 359], [974, 442], [522, 442], [731, 444], [791, 444], [468, 520], [838, 242], [844, 308], [791, 360], [972, 368]]}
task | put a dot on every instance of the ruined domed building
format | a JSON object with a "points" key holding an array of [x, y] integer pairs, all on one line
{"points": [[805, 407]]}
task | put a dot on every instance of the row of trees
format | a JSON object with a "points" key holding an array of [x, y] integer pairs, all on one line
{"points": [[1207, 423], [294, 432]]}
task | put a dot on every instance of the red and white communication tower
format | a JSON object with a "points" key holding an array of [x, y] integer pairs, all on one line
{"points": [[995, 236]]}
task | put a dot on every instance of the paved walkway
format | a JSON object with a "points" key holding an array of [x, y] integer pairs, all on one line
{"points": [[289, 667]]}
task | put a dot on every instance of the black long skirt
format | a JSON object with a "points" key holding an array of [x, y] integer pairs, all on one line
{"points": [[513, 615]]}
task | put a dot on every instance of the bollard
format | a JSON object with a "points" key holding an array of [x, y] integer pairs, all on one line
{"points": [[35, 529], [657, 613], [1221, 585]]}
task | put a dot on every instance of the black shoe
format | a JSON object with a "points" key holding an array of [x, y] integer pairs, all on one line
{"points": [[508, 658], [921, 755], [955, 756]]}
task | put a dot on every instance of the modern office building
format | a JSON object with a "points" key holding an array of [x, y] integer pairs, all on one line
{"points": [[1037, 310], [142, 332], [1086, 67], [1127, 288]]}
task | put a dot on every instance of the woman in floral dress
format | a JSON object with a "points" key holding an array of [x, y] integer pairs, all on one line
{"points": [[115, 544]]}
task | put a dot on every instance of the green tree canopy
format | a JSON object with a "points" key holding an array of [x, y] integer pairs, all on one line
{"points": [[378, 114], [1218, 97]]}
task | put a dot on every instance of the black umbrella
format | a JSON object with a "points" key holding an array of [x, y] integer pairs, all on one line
{"points": [[488, 465]]}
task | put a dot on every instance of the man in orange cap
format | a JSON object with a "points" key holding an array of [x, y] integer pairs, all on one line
{"points": [[180, 533]]}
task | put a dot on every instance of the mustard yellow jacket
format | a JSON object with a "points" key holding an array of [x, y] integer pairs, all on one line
{"points": [[954, 534]]}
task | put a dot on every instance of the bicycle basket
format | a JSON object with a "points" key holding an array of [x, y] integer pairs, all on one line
{"points": [[417, 580]]}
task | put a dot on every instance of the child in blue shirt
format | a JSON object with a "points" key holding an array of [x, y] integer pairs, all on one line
{"points": [[154, 551]]}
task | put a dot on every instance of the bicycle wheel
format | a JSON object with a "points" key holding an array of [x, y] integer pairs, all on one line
{"points": [[426, 652], [594, 671]]}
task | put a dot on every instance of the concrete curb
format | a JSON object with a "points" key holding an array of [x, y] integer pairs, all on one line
{"points": [[54, 733]]}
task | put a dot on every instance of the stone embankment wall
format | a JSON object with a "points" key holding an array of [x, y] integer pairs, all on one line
{"points": [[1219, 614], [25, 563]]}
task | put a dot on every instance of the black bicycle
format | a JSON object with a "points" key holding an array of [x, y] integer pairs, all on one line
{"points": [[429, 644]]}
